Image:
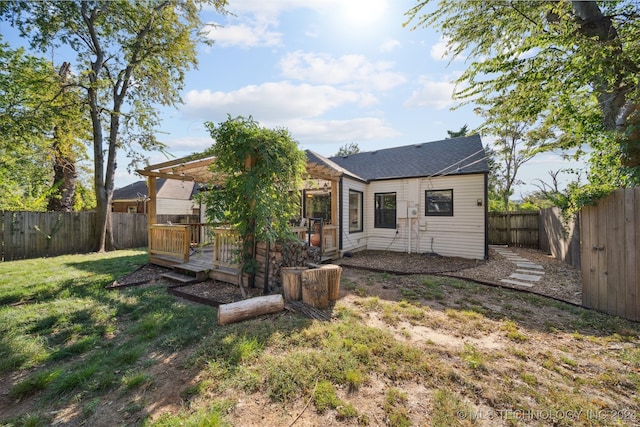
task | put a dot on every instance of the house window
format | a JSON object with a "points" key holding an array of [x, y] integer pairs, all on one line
{"points": [[132, 209], [355, 211], [439, 203], [385, 210]]}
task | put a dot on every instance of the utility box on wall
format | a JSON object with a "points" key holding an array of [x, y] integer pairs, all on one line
{"points": [[401, 210]]}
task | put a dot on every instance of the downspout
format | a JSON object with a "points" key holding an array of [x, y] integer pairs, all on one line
{"points": [[340, 213], [486, 215], [409, 228]]}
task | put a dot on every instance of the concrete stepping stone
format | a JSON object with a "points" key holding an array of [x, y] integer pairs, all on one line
{"points": [[517, 259], [529, 265], [515, 282], [523, 271], [528, 277]]}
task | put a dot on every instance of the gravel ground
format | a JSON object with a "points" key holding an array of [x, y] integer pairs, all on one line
{"points": [[560, 281]]}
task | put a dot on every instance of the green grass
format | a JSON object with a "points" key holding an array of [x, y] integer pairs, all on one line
{"points": [[74, 337], [74, 344]]}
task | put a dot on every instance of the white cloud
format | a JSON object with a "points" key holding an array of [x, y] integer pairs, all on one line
{"points": [[437, 94], [441, 51], [271, 101], [324, 131], [352, 71], [190, 144], [390, 45], [244, 35]]}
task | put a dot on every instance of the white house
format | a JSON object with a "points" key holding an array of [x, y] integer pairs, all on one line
{"points": [[422, 198], [428, 198]]}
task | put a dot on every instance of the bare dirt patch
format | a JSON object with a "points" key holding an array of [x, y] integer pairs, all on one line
{"points": [[560, 281], [492, 349]]}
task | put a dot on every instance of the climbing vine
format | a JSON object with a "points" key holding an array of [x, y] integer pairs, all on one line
{"points": [[261, 168]]}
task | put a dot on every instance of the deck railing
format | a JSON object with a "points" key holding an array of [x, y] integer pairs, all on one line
{"points": [[226, 248], [170, 241]]}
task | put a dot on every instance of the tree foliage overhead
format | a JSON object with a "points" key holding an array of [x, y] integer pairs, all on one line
{"points": [[464, 130], [263, 169], [571, 67], [346, 149], [131, 58], [40, 122]]}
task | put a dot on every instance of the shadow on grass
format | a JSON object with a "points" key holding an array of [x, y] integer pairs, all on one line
{"points": [[81, 342]]}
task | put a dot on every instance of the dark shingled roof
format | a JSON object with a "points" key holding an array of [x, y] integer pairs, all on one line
{"points": [[172, 189], [457, 156]]}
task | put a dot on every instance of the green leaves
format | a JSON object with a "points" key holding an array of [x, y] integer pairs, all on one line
{"points": [[263, 169], [567, 68]]}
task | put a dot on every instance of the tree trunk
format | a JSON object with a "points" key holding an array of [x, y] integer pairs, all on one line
{"points": [[249, 308], [65, 177], [315, 289], [292, 283], [333, 273]]}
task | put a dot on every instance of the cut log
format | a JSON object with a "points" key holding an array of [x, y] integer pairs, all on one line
{"points": [[333, 280], [249, 308], [292, 283], [315, 291]]}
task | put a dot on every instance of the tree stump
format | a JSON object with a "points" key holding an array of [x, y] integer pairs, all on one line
{"points": [[292, 283], [248, 308], [333, 280], [315, 290]]}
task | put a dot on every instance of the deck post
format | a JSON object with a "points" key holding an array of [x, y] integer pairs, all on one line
{"points": [[152, 217]]}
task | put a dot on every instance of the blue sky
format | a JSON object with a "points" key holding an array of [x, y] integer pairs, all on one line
{"points": [[332, 72]]}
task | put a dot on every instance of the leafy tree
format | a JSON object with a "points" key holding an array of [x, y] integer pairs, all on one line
{"points": [[456, 134], [516, 144], [262, 167], [570, 66], [131, 56], [42, 126], [70, 131], [346, 149]]}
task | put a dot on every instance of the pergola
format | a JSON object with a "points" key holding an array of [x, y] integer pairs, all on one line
{"points": [[196, 168]]}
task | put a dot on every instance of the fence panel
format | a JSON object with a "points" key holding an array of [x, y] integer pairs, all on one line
{"points": [[610, 234], [524, 229], [560, 238], [129, 230], [39, 234]]}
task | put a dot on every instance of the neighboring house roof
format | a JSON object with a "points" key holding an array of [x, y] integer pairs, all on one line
{"points": [[165, 189], [455, 156]]}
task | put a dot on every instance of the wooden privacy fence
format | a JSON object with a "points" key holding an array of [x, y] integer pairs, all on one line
{"points": [[560, 237], [610, 234], [524, 229], [26, 235]]}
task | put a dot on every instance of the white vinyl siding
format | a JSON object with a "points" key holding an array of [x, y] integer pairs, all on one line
{"points": [[353, 241], [175, 207], [383, 238], [460, 235]]}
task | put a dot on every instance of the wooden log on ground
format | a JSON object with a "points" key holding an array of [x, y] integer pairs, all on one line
{"points": [[292, 283], [315, 290], [333, 280], [249, 308]]}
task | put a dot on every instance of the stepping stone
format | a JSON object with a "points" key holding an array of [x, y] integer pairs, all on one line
{"points": [[529, 277], [520, 270], [529, 265], [515, 282]]}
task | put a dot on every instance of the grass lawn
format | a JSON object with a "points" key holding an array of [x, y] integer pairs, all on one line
{"points": [[411, 350]]}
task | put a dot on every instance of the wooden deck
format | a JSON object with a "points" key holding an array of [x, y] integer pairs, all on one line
{"points": [[172, 246], [199, 267]]}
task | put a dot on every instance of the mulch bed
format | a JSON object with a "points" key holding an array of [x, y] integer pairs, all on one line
{"points": [[401, 263]]}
